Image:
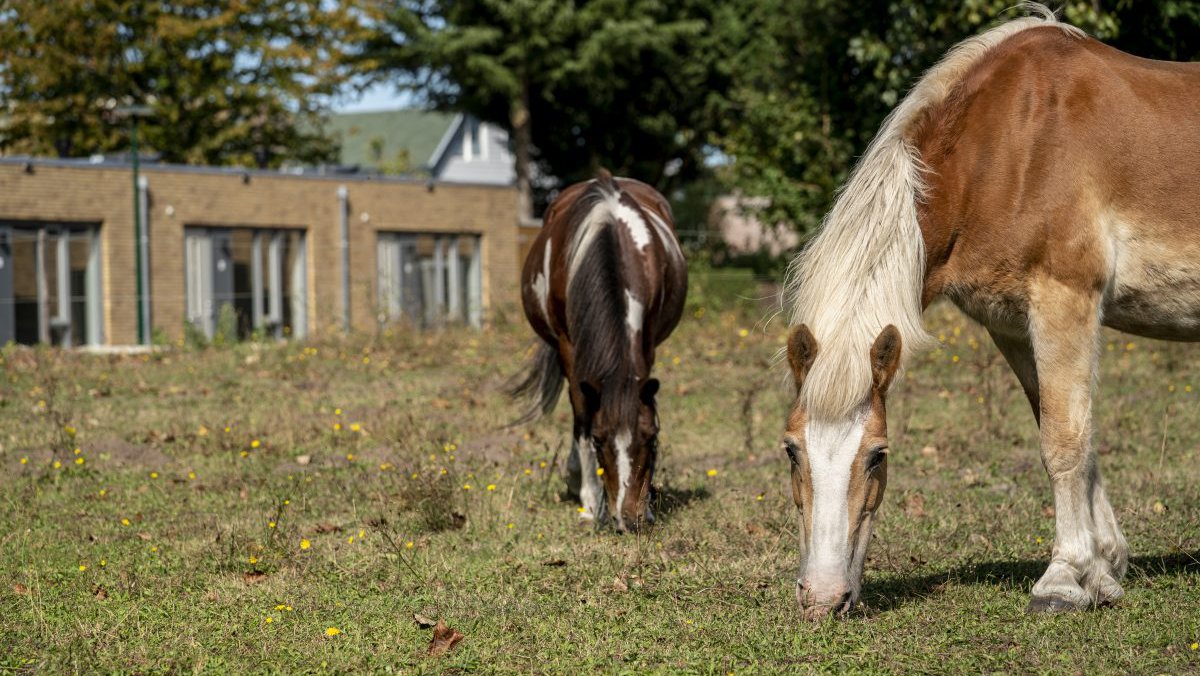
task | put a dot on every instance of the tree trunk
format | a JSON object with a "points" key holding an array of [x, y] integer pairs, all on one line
{"points": [[522, 140]]}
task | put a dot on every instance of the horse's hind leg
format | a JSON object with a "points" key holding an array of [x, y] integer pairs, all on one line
{"points": [[1089, 551]]}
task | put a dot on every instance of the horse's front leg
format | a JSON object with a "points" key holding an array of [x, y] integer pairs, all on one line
{"points": [[1090, 554], [591, 491]]}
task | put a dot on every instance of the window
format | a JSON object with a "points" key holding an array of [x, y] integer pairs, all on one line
{"points": [[260, 273], [428, 280], [474, 140], [50, 284]]}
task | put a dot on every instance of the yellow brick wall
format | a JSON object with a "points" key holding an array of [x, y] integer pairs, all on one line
{"points": [[180, 198]]}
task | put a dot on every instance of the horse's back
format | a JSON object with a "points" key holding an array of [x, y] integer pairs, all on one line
{"points": [[1066, 157], [649, 257]]}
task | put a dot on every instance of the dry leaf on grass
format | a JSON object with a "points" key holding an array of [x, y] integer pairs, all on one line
{"points": [[19, 588], [100, 593], [444, 638], [914, 506], [619, 585], [422, 621], [327, 528], [554, 562], [254, 576]]}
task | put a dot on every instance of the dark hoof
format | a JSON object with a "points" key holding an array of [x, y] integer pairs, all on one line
{"points": [[1050, 604]]}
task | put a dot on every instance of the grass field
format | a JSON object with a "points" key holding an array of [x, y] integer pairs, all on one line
{"points": [[288, 508]]}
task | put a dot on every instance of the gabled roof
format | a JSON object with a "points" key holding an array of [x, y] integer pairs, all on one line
{"points": [[420, 132]]}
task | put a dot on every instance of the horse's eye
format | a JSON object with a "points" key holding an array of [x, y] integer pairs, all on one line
{"points": [[790, 447], [878, 455]]}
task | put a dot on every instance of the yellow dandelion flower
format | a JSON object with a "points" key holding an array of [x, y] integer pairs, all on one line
{"points": [[510, 526], [24, 461], [154, 548], [362, 533], [255, 443], [192, 476], [355, 427], [408, 545], [581, 509], [270, 524], [227, 429], [288, 608], [954, 359], [78, 461], [154, 475], [676, 360], [305, 544], [759, 497], [280, 607], [124, 522], [1187, 388], [491, 487], [366, 360], [337, 427], [350, 457], [466, 487], [245, 454], [82, 567], [599, 471], [103, 492], [712, 472], [253, 560], [1129, 346], [743, 333], [269, 619], [542, 464], [78, 451], [103, 563], [1195, 645], [332, 631], [337, 411], [287, 502], [57, 464], [528, 471], [1170, 388], [350, 540], [69, 430]]}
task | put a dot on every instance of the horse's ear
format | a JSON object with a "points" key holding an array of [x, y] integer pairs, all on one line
{"points": [[649, 390], [802, 350], [591, 397], [885, 357]]}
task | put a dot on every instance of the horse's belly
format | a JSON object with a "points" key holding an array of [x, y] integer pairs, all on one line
{"points": [[1155, 290]]}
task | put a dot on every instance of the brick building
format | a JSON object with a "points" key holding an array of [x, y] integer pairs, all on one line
{"points": [[268, 244]]}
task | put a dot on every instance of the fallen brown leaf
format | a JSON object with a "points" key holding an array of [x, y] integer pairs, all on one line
{"points": [[100, 593], [422, 621], [19, 588], [144, 536], [619, 585], [327, 528], [914, 506], [254, 576], [554, 562], [444, 638]]}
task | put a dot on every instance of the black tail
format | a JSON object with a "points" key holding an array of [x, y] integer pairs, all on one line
{"points": [[541, 385]]}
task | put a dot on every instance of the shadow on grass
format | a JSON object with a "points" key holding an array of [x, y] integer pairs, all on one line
{"points": [[897, 592], [668, 500]]}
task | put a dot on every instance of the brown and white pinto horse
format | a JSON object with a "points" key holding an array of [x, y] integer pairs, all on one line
{"points": [[603, 285], [1048, 185]]}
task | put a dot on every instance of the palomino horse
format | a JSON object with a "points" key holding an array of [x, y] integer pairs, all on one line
{"points": [[1048, 185], [603, 285]]}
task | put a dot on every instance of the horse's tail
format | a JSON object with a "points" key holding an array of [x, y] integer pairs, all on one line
{"points": [[541, 385]]}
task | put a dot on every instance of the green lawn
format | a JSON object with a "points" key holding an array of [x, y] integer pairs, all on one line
{"points": [[216, 519]]}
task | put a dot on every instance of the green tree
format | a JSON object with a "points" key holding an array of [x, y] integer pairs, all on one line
{"points": [[633, 85], [242, 82], [813, 89]]}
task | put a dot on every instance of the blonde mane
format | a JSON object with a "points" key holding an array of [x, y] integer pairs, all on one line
{"points": [[865, 268]]}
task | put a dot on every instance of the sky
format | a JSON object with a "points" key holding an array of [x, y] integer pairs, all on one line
{"points": [[379, 97]]}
